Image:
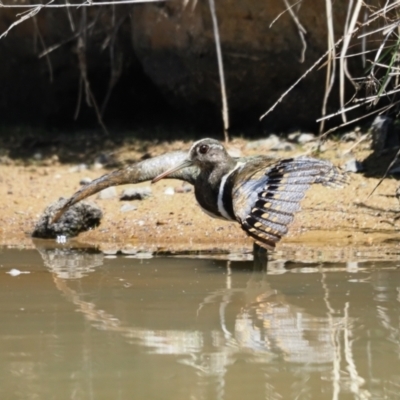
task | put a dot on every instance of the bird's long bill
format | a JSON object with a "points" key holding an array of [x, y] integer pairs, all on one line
{"points": [[184, 164]]}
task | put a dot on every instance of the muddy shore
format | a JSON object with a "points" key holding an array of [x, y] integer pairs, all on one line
{"points": [[343, 223]]}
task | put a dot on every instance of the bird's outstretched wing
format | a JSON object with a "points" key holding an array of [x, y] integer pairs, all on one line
{"points": [[135, 173], [265, 200]]}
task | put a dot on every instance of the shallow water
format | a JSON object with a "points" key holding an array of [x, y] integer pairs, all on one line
{"points": [[80, 325]]}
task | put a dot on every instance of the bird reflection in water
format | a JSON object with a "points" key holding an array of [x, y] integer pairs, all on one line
{"points": [[256, 322]]}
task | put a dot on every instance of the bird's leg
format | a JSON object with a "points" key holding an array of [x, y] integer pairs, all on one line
{"points": [[260, 255]]}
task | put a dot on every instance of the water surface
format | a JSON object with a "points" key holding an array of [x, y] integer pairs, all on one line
{"points": [[81, 325]]}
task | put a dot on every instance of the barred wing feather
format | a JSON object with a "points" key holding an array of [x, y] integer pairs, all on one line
{"points": [[265, 200]]}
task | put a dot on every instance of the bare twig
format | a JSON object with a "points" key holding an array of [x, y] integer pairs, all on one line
{"points": [[331, 63], [225, 111], [77, 5], [63, 42], [381, 110], [44, 46], [283, 12], [283, 95], [33, 9], [70, 19], [386, 173], [350, 28], [375, 84], [302, 31], [90, 99], [23, 17], [360, 140], [116, 64], [79, 101]]}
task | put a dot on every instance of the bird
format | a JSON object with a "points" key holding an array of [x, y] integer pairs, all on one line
{"points": [[261, 193]]}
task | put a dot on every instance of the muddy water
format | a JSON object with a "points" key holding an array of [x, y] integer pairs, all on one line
{"points": [[78, 325]]}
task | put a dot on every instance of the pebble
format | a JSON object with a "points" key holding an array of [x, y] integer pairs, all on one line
{"points": [[78, 168], [185, 188], [267, 143], [353, 166], [110, 252], [102, 159], [97, 166], [169, 191], [129, 251], [143, 255], [305, 138], [5, 160], [385, 134], [349, 137], [85, 181], [108, 193], [139, 193], [128, 207], [301, 138], [283, 146]]}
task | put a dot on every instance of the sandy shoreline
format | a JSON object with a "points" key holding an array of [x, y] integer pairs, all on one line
{"points": [[333, 220]]}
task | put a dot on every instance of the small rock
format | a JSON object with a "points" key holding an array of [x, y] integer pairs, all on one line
{"points": [[78, 168], [264, 144], [301, 138], [5, 160], [139, 193], [353, 166], [103, 159], [78, 218], [108, 193], [143, 255], [185, 188], [85, 181], [97, 165], [349, 137], [385, 134], [110, 252], [129, 251], [305, 138], [37, 156], [283, 146], [293, 136], [170, 191], [128, 207]]}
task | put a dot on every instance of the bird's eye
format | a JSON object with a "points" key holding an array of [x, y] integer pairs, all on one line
{"points": [[203, 149]]}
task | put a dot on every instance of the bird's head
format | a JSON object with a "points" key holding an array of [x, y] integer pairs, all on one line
{"points": [[205, 154]]}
